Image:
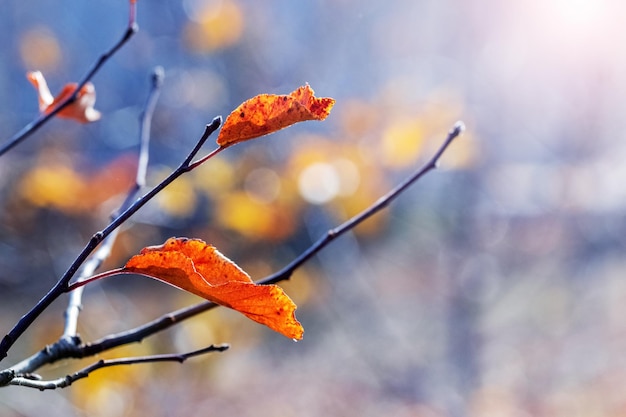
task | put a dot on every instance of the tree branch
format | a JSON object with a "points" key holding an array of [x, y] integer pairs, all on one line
{"points": [[33, 126], [32, 381], [381, 203], [61, 286], [139, 333], [73, 349], [94, 262], [69, 341]]}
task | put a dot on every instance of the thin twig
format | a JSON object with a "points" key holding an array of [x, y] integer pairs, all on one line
{"points": [[139, 333], [381, 203], [66, 346], [146, 122], [74, 304], [62, 284], [33, 126], [28, 381], [94, 262], [71, 350]]}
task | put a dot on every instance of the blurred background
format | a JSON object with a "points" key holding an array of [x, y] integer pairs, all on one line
{"points": [[494, 287]]}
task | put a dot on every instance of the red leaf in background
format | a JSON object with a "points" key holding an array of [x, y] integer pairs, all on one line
{"points": [[267, 113], [80, 110], [199, 268]]}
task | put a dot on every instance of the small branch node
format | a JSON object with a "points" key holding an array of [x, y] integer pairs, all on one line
{"points": [[132, 29], [6, 377]]}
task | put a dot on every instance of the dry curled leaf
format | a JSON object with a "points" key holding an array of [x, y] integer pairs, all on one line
{"points": [[267, 113], [199, 268], [80, 110]]}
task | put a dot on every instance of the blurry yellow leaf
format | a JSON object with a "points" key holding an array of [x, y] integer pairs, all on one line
{"points": [[214, 178], [239, 212], [179, 198], [311, 149], [58, 185], [53, 186], [219, 25], [401, 143], [110, 391]]}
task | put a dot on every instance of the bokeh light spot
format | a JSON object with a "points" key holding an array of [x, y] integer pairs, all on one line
{"points": [[319, 183], [213, 25], [40, 50], [349, 176], [402, 143]]}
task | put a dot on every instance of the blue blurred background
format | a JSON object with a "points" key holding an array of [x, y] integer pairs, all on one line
{"points": [[495, 286]]}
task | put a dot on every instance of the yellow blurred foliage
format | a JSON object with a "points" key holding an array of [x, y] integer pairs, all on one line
{"points": [[109, 391], [215, 177], [55, 183], [305, 288], [40, 50], [309, 150], [249, 217], [179, 198], [214, 327], [219, 25], [53, 186], [402, 142]]}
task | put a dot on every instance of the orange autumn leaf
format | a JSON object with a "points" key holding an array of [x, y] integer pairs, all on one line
{"points": [[199, 268], [267, 113], [80, 110]]}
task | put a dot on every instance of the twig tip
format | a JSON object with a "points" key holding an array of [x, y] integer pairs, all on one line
{"points": [[458, 128], [158, 74]]}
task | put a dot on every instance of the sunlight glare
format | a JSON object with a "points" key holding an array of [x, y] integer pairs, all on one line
{"points": [[582, 12]]}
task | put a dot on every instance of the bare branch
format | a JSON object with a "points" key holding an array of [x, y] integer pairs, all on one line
{"points": [[158, 75], [71, 348], [67, 345], [168, 320], [32, 381], [62, 285], [94, 262], [33, 126], [381, 203], [139, 333], [89, 267]]}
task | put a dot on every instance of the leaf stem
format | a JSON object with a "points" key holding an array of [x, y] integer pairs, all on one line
{"points": [[73, 287]]}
